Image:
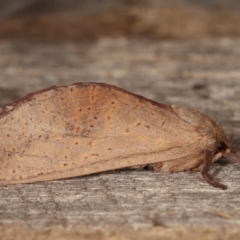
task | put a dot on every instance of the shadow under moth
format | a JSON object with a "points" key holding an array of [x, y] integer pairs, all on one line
{"points": [[85, 128]]}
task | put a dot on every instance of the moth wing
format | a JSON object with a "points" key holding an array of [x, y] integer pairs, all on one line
{"points": [[87, 128]]}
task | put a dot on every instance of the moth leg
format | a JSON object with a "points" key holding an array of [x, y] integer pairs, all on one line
{"points": [[138, 167], [232, 156], [206, 166]]}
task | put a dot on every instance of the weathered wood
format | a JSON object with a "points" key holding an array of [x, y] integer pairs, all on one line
{"points": [[124, 199], [202, 74]]}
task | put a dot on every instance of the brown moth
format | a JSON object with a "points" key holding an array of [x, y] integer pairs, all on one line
{"points": [[85, 128]]}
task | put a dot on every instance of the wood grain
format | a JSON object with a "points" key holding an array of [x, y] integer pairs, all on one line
{"points": [[200, 73]]}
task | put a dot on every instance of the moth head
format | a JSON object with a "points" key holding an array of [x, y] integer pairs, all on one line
{"points": [[222, 143], [223, 147]]}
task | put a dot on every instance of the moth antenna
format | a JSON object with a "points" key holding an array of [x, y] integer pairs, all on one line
{"points": [[232, 156]]}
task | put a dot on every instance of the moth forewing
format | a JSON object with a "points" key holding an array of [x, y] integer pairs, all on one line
{"points": [[86, 128]]}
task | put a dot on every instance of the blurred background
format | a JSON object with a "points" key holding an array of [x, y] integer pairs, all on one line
{"points": [[168, 50], [93, 19]]}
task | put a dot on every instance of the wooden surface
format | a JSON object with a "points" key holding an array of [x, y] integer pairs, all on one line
{"points": [[201, 73]]}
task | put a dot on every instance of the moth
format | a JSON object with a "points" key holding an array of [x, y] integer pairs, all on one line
{"points": [[86, 128]]}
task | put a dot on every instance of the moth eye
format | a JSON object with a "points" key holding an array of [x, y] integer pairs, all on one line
{"points": [[221, 147]]}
